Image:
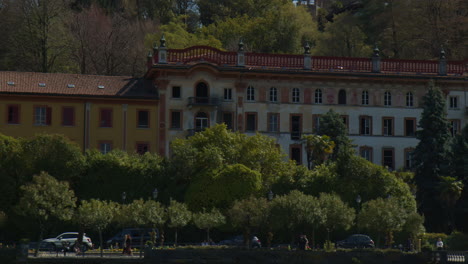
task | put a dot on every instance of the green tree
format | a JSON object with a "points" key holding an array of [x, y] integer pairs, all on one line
{"points": [[143, 214], [95, 214], [178, 216], [208, 220], [336, 213], [431, 156], [221, 189], [414, 226], [332, 125], [248, 214], [296, 212], [137, 175], [54, 154], [215, 148], [450, 190], [317, 149], [45, 199], [384, 217], [11, 175], [40, 40], [343, 38]]}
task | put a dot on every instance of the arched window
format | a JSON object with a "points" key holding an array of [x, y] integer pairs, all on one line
{"points": [[250, 93], [273, 94], [342, 97], [201, 93], [365, 98], [387, 99], [318, 96], [296, 95], [201, 121], [409, 99]]}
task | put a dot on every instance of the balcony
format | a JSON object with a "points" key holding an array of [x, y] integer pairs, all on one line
{"points": [[203, 101], [296, 135]]}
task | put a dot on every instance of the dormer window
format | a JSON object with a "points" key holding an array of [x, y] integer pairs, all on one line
{"points": [[42, 85], [71, 86]]}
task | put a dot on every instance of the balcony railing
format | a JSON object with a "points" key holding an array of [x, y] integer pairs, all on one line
{"points": [[215, 56], [296, 135], [206, 101]]}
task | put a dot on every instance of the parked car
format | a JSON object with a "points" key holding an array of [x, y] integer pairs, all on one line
{"points": [[67, 239], [356, 241], [117, 240], [233, 241], [239, 242]]}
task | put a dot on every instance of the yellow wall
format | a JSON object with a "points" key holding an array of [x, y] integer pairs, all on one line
{"points": [[76, 133]]}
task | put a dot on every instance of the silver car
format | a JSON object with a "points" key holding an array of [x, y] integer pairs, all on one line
{"points": [[68, 239]]}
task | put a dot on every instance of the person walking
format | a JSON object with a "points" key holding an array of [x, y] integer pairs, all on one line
{"points": [[127, 247], [440, 244], [303, 242]]}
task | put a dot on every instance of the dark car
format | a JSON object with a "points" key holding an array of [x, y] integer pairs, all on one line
{"points": [[135, 233], [356, 241], [233, 241]]}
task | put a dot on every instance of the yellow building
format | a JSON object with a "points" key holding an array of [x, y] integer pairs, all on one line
{"points": [[102, 112]]}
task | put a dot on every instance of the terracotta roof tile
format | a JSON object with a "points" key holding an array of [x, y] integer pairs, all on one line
{"points": [[74, 84]]}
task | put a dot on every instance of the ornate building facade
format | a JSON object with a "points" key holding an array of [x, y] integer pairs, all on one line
{"points": [[283, 96]]}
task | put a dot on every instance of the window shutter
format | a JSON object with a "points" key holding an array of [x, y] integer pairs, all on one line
{"points": [[49, 116]]}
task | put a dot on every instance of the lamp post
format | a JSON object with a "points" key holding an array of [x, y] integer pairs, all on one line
{"points": [[358, 201], [270, 234], [155, 193], [124, 197]]}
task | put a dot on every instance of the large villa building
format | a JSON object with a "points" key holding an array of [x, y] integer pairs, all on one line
{"points": [[282, 96]]}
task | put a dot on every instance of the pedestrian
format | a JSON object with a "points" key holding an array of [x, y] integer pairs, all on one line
{"points": [[440, 244], [256, 242], [127, 246], [303, 242]]}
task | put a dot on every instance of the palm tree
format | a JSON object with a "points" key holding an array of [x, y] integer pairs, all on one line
{"points": [[318, 148], [450, 190]]}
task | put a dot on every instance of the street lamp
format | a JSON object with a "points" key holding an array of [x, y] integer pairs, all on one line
{"points": [[124, 197], [155, 193], [358, 201]]}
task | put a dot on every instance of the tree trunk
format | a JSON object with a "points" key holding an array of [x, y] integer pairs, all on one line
{"points": [[100, 241], [175, 237]]}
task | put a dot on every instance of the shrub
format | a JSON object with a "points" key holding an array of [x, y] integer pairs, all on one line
{"points": [[431, 239], [457, 241], [329, 246]]}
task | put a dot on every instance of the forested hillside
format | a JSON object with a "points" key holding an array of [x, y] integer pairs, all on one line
{"points": [[113, 37]]}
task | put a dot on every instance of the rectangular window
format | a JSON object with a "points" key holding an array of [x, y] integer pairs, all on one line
{"points": [[387, 126], [251, 122], [42, 116], [365, 125], [316, 123], [176, 92], [296, 126], [176, 119], [454, 126], [13, 114], [68, 116], [388, 158], [410, 127], [105, 147], [273, 122], [453, 103], [366, 152], [227, 94], [143, 118], [409, 158], [105, 118], [295, 151], [142, 148], [227, 119]]}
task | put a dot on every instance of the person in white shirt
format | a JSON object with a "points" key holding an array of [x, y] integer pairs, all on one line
{"points": [[439, 244]]}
